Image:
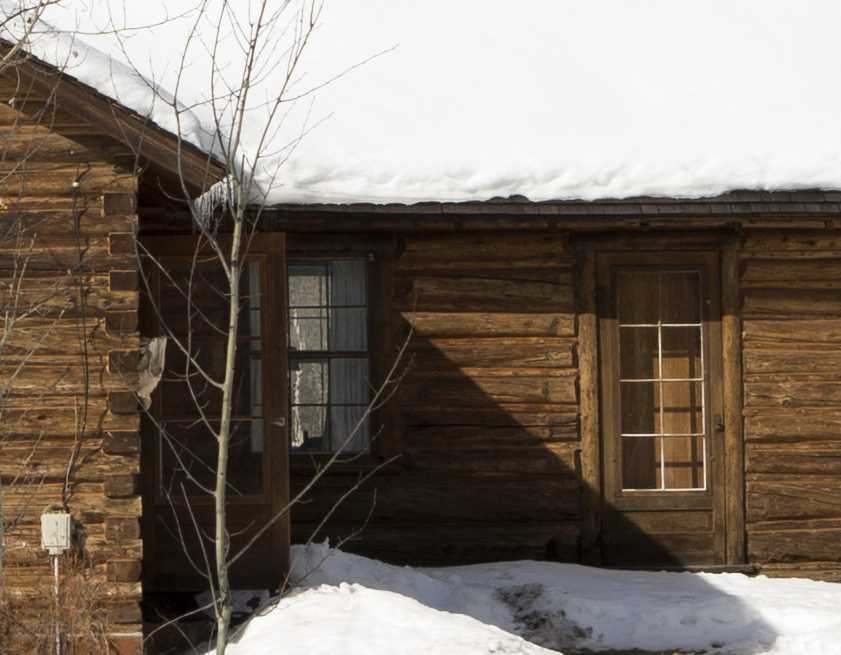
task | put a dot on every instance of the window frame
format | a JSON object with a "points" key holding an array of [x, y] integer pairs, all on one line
{"points": [[315, 355], [608, 266], [378, 250]]}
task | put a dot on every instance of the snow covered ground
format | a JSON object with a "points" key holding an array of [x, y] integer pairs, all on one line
{"points": [[352, 605]]}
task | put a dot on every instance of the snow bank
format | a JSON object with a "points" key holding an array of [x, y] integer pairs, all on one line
{"points": [[353, 620], [347, 603], [552, 99]]}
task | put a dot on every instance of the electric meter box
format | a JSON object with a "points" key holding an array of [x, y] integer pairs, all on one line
{"points": [[56, 532]]}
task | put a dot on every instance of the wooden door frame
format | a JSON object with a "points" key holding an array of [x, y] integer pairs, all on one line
{"points": [[271, 248], [588, 246]]}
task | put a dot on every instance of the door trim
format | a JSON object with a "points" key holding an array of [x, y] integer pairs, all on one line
{"points": [[713, 498], [733, 388]]}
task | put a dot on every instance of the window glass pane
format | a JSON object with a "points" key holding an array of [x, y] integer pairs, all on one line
{"points": [[345, 420], [683, 462], [310, 428], [640, 408], [348, 285], [638, 297], [308, 329], [252, 297], [309, 382], [680, 297], [308, 285], [641, 463], [189, 451], [182, 387], [682, 352], [204, 291], [349, 329], [638, 353], [349, 381], [683, 408]]}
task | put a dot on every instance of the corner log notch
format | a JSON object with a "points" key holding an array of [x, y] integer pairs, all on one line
{"points": [[69, 425]]}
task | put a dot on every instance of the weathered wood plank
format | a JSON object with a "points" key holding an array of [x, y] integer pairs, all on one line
{"points": [[792, 394], [784, 362], [426, 498], [793, 499], [797, 457], [513, 352], [819, 242], [793, 333], [551, 458], [794, 545], [482, 295], [794, 303], [791, 273], [502, 415], [483, 247], [478, 391], [483, 324], [536, 269], [793, 424], [459, 436]]}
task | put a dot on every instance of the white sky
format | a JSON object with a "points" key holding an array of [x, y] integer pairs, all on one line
{"points": [[546, 98]]}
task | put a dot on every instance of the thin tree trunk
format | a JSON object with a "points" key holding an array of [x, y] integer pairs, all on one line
{"points": [[225, 602]]}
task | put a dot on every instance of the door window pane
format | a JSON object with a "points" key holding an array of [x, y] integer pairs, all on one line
{"points": [[683, 408], [638, 353], [683, 459], [640, 403], [680, 297], [638, 297], [641, 463], [193, 298], [682, 352], [188, 456], [662, 414]]}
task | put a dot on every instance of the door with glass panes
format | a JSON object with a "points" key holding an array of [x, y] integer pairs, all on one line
{"points": [[187, 301], [661, 408]]}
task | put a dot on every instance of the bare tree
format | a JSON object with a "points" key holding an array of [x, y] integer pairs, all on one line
{"points": [[246, 125]]}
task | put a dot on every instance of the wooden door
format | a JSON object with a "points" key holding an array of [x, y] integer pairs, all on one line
{"points": [[661, 408], [179, 445]]}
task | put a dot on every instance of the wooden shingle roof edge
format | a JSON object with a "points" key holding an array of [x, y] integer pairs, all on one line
{"points": [[146, 138], [800, 202]]}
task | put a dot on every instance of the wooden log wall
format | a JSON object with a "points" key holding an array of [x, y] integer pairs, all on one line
{"points": [[487, 416], [490, 415], [791, 287], [68, 378]]}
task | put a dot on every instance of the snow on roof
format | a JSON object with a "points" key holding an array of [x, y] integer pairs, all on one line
{"points": [[68, 52], [551, 99]]}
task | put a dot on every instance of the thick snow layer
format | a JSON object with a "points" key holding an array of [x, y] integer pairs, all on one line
{"points": [[345, 603], [549, 98]]}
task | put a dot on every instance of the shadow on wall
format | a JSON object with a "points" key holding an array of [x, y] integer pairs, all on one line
{"points": [[492, 473], [488, 422]]}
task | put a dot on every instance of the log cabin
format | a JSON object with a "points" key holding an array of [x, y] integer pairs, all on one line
{"points": [[643, 382]]}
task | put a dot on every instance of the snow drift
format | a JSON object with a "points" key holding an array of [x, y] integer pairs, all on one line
{"points": [[346, 603]]}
